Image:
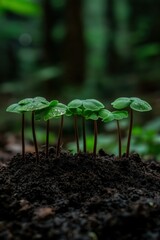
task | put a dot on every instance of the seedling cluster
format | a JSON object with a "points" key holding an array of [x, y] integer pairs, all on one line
{"points": [[88, 109]]}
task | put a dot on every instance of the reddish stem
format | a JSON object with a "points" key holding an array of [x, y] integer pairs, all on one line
{"points": [[76, 133], [119, 140], [59, 137], [34, 137], [47, 137], [23, 142], [129, 134], [84, 134], [95, 138]]}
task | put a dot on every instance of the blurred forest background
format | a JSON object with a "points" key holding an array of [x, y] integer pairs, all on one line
{"points": [[66, 49]]}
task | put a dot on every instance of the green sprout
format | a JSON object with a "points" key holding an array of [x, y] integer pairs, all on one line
{"points": [[32, 105], [53, 110], [95, 115], [133, 103], [87, 109], [16, 108], [119, 115], [74, 109], [108, 116]]}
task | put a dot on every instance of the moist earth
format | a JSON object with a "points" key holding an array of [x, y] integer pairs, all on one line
{"points": [[79, 197]]}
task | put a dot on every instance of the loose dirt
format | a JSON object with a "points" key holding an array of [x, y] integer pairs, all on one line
{"points": [[77, 197]]}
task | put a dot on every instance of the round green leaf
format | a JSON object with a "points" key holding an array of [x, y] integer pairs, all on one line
{"points": [[75, 103], [15, 108], [51, 112], [33, 104], [119, 115], [104, 113], [140, 105], [60, 109], [92, 116], [40, 114], [25, 101], [73, 111], [121, 103], [109, 118], [53, 103], [92, 104], [69, 112], [88, 114], [135, 99]]}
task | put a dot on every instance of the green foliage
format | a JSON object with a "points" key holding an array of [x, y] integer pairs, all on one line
{"points": [[148, 50], [87, 108], [119, 115], [53, 110], [23, 7], [76, 103], [92, 105], [121, 103], [15, 108], [28, 105], [33, 104], [134, 103], [106, 115], [146, 139]]}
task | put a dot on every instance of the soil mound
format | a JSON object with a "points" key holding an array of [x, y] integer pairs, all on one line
{"points": [[81, 198]]}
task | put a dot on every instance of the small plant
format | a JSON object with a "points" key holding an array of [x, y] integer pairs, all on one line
{"points": [[132, 103], [28, 105], [108, 116], [87, 109], [53, 110], [32, 105], [119, 115], [95, 115], [74, 109]]}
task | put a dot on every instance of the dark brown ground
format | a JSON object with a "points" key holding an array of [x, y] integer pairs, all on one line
{"points": [[76, 197]]}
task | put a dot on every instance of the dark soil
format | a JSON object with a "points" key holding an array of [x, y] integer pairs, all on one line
{"points": [[77, 197]]}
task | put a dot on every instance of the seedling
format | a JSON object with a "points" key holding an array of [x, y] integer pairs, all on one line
{"points": [[74, 109], [106, 116], [133, 103], [119, 115], [16, 108], [54, 110], [31, 105], [87, 109], [95, 115]]}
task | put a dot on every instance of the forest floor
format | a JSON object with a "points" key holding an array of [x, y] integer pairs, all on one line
{"points": [[77, 197]]}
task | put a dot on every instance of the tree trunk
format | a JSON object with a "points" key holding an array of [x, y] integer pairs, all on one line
{"points": [[74, 43]]}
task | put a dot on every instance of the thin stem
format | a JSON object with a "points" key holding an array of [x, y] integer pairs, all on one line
{"points": [[34, 137], [119, 140], [76, 133], [23, 142], [59, 137], [129, 134], [95, 138], [84, 134], [47, 137]]}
